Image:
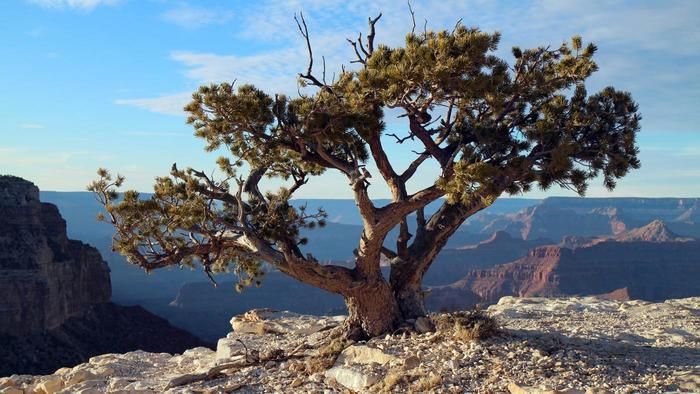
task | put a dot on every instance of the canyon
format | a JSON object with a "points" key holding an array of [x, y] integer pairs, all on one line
{"points": [[503, 233], [648, 263]]}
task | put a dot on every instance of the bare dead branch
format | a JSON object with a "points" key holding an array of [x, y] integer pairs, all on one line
{"points": [[372, 32], [359, 59], [413, 17], [459, 22], [304, 30], [400, 140]]}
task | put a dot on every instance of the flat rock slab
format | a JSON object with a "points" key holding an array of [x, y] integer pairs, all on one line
{"points": [[352, 378], [265, 321], [361, 354]]}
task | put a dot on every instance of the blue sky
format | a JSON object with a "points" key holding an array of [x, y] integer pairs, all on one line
{"points": [[101, 83]]}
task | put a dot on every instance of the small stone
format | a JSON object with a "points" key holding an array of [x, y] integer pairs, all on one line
{"points": [[362, 354], [62, 371], [79, 376], [424, 325], [352, 378], [228, 348], [411, 362], [9, 381], [453, 365], [317, 377], [11, 390], [51, 385], [688, 380], [296, 382], [598, 390], [515, 388]]}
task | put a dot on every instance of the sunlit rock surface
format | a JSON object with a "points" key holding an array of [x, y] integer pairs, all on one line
{"points": [[567, 345]]}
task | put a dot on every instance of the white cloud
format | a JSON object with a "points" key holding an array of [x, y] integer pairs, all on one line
{"points": [[274, 72], [640, 50], [86, 5], [32, 126], [168, 104], [190, 17]]}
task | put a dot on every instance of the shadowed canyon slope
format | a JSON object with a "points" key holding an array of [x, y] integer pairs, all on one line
{"points": [[55, 293]]}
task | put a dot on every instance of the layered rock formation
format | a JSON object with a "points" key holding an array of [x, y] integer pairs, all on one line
{"points": [[501, 248], [55, 293], [556, 217], [649, 263], [45, 278]]}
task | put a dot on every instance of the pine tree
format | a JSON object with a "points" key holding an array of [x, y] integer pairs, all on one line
{"points": [[493, 128]]}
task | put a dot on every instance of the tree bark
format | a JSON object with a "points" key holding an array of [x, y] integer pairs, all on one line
{"points": [[373, 310], [411, 300]]}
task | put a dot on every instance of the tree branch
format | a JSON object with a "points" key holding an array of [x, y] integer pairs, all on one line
{"points": [[304, 30]]}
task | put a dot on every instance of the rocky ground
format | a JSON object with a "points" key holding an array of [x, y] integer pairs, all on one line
{"points": [[570, 345]]}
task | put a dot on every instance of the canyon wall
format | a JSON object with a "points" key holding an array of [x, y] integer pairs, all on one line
{"points": [[45, 278], [55, 308]]}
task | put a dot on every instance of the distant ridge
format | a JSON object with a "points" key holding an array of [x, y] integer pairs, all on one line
{"points": [[656, 231], [650, 263]]}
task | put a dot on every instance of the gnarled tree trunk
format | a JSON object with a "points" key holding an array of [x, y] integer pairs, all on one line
{"points": [[373, 310], [406, 285], [411, 300]]}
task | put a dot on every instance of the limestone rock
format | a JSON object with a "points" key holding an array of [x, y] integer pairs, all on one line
{"points": [[688, 380], [424, 325], [9, 381], [263, 321], [411, 362], [352, 378], [51, 385], [11, 390], [515, 388], [79, 376], [227, 348], [362, 354]]}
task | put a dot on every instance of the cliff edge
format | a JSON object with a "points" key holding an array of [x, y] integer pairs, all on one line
{"points": [[55, 308]]}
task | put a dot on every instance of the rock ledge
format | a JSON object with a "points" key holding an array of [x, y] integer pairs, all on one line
{"points": [[570, 345]]}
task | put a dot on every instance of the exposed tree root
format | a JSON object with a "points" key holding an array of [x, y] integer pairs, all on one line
{"points": [[249, 359]]}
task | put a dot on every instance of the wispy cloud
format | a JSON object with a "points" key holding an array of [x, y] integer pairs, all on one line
{"points": [[167, 104], [191, 17], [31, 126], [273, 71], [85, 5], [640, 50]]}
